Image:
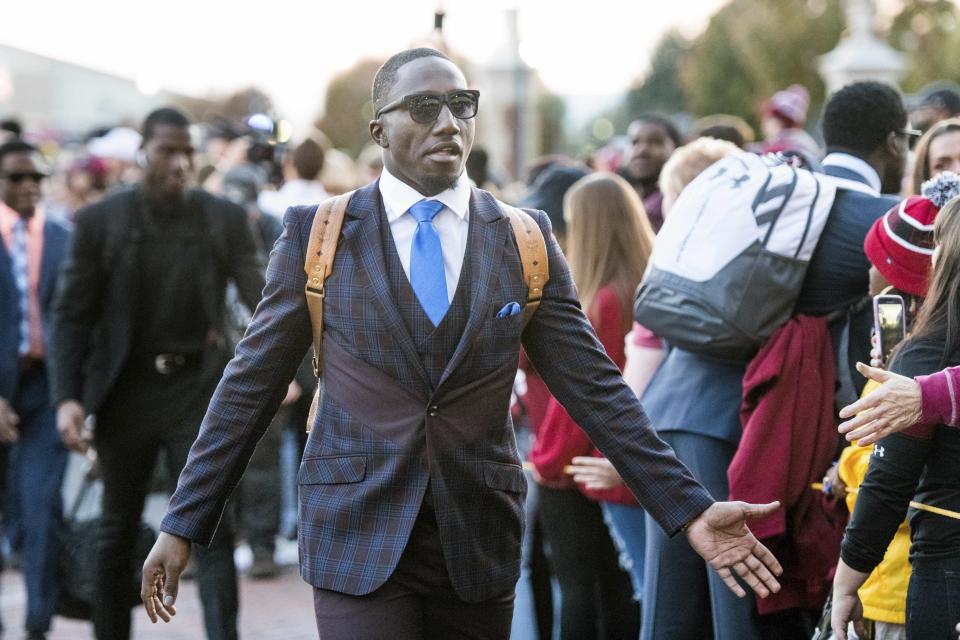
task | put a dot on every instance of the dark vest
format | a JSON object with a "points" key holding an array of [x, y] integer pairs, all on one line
{"points": [[435, 345]]}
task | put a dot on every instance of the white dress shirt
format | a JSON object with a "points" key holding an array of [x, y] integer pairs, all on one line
{"points": [[857, 165], [451, 224]]}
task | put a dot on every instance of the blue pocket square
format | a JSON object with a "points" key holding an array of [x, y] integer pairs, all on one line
{"points": [[509, 309]]}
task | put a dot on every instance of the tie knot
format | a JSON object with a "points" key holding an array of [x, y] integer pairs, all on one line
{"points": [[426, 210]]}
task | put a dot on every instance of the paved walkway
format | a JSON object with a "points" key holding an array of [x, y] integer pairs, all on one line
{"points": [[277, 609]]}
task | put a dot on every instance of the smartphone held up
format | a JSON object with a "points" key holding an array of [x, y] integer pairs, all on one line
{"points": [[889, 323]]}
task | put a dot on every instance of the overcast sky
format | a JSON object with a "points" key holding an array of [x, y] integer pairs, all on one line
{"points": [[291, 48]]}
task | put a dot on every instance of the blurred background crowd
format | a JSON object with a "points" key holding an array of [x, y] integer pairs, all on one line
{"points": [[759, 77]]}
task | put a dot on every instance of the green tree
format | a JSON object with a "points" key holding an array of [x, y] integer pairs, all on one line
{"points": [[660, 89], [928, 33], [552, 111], [347, 109], [753, 48]]}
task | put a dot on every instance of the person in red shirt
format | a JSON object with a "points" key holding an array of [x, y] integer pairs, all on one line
{"points": [[609, 242]]}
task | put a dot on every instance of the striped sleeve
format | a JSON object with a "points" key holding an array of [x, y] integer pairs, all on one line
{"points": [[939, 395]]}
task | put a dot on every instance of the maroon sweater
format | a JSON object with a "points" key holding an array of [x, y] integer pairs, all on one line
{"points": [[559, 438]]}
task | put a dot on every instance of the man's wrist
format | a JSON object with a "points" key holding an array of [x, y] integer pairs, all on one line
{"points": [[686, 526]]}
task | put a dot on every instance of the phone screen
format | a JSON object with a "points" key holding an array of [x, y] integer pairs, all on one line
{"points": [[892, 325]]}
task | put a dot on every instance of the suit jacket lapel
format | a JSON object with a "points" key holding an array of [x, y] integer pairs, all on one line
{"points": [[361, 233], [6, 269], [53, 248], [488, 235]]}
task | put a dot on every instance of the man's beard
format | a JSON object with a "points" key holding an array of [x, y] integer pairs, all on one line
{"points": [[433, 185]]}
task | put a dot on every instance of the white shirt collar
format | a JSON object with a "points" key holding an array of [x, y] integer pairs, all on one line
{"points": [[398, 196], [855, 164]]}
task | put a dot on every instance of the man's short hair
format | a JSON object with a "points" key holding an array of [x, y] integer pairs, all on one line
{"points": [[943, 99], [387, 74], [860, 116], [16, 146], [163, 116], [13, 126], [661, 121], [308, 159]]}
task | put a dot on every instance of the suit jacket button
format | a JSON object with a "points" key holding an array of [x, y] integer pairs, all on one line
{"points": [[432, 411]]}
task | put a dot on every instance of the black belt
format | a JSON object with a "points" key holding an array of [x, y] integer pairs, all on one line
{"points": [[27, 365], [167, 363]]}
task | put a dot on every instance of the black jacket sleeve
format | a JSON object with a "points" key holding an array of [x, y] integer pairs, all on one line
{"points": [[247, 264], [891, 481], [79, 298]]}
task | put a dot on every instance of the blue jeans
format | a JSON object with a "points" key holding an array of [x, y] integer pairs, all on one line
{"points": [[627, 524], [683, 598], [36, 466], [524, 607]]}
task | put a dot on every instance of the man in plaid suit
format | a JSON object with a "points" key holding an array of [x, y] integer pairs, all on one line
{"points": [[411, 489]]}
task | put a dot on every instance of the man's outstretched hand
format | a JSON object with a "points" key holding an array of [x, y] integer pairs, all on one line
{"points": [[721, 537], [161, 576]]}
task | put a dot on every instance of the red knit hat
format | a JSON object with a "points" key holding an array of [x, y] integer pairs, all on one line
{"points": [[790, 105], [900, 244]]}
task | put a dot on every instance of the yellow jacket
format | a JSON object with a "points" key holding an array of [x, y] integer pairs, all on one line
{"points": [[884, 594]]}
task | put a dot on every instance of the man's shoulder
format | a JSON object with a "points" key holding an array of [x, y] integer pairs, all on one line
{"points": [[855, 207], [482, 197], [218, 205], [120, 199]]}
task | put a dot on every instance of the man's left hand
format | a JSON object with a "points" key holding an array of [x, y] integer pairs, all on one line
{"points": [[721, 537]]}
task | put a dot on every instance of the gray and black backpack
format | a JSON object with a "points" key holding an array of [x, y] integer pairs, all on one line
{"points": [[729, 262]]}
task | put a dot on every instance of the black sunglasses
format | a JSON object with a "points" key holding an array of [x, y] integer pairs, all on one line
{"points": [[425, 106], [16, 177]]}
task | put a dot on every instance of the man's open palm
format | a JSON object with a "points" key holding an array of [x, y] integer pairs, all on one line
{"points": [[721, 537]]}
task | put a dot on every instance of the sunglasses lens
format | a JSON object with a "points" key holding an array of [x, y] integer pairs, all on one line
{"points": [[425, 108], [463, 105], [17, 178]]}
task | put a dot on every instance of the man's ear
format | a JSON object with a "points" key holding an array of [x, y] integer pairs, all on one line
{"points": [[378, 134], [893, 145]]}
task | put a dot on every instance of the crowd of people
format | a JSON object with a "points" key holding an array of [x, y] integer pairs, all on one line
{"points": [[131, 266]]}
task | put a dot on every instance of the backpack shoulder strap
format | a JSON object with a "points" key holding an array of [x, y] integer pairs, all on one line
{"points": [[533, 256], [321, 250]]}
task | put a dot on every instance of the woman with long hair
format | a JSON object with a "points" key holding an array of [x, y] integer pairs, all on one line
{"points": [[918, 464], [609, 241], [938, 150]]}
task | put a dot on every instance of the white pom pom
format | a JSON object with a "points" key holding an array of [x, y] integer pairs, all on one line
{"points": [[941, 188]]}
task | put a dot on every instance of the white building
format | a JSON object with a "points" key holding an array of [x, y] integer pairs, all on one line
{"points": [[49, 94]]}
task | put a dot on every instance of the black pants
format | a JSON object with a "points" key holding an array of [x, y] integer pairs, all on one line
{"points": [[146, 415], [596, 594], [258, 494], [933, 599], [418, 601]]}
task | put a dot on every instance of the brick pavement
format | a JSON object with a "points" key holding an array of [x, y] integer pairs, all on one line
{"points": [[278, 609]]}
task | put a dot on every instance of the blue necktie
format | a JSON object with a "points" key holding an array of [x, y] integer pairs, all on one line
{"points": [[427, 275], [21, 276]]}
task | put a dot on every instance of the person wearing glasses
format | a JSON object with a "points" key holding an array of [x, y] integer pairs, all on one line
{"points": [[411, 488], [30, 255], [138, 340], [865, 130]]}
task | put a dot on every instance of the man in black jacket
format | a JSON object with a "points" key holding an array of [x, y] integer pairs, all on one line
{"points": [[137, 341]]}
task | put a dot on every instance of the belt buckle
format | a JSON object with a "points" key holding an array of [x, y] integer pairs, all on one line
{"points": [[167, 363]]}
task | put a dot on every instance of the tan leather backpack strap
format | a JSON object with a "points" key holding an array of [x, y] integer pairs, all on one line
{"points": [[533, 256], [321, 250]]}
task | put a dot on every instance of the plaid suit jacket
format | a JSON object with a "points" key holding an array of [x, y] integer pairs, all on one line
{"points": [[383, 433]]}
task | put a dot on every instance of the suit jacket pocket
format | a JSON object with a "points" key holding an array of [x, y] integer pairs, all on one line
{"points": [[332, 470], [506, 477]]}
